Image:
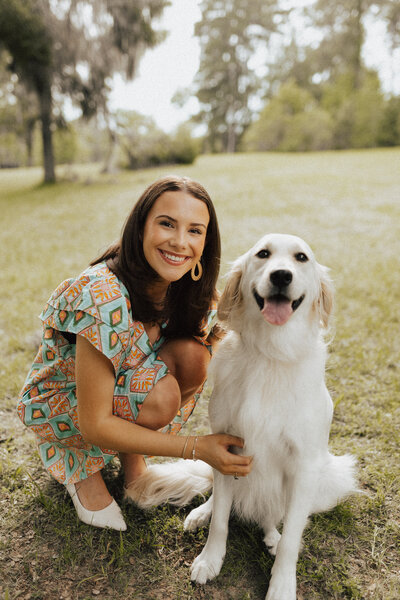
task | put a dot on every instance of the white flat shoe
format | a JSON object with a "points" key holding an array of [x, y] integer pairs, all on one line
{"points": [[110, 516]]}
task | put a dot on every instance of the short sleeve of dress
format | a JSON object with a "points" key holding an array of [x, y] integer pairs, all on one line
{"points": [[96, 306], [207, 324]]}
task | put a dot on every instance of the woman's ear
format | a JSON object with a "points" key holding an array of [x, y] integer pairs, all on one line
{"points": [[326, 294], [231, 298]]}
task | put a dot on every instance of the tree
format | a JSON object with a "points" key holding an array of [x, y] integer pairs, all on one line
{"points": [[342, 30], [24, 34], [357, 112], [230, 32], [18, 115], [145, 145], [71, 48], [291, 121]]}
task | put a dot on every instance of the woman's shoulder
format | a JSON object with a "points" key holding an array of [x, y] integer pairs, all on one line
{"points": [[96, 291]]}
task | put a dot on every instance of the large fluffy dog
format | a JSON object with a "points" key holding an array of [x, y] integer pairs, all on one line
{"points": [[269, 389]]}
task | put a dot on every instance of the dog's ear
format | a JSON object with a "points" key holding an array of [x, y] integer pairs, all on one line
{"points": [[326, 294], [231, 296]]}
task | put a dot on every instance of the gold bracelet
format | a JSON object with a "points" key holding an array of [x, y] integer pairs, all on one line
{"points": [[194, 449], [184, 447]]}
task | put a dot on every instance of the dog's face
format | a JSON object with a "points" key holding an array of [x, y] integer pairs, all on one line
{"points": [[280, 276]]}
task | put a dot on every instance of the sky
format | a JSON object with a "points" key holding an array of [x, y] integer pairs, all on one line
{"points": [[163, 70], [173, 65]]}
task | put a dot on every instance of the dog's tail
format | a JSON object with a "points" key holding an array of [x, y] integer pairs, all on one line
{"points": [[337, 482], [173, 482]]}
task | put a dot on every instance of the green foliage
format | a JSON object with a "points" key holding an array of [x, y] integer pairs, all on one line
{"points": [[389, 131], [65, 145], [345, 117], [184, 147], [144, 144], [291, 121], [12, 151], [24, 34], [357, 111]]}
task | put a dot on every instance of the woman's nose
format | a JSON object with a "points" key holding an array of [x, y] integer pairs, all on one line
{"points": [[179, 239]]}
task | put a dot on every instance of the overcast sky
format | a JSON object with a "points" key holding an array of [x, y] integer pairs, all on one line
{"points": [[168, 67], [173, 64]]}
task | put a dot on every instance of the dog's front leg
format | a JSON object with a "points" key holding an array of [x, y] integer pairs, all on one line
{"points": [[209, 562], [283, 580], [199, 517]]}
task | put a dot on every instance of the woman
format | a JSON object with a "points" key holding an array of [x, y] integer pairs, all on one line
{"points": [[125, 351]]}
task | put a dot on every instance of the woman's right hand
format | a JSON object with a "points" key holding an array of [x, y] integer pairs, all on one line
{"points": [[214, 450]]}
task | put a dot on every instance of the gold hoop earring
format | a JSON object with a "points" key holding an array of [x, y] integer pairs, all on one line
{"points": [[196, 276]]}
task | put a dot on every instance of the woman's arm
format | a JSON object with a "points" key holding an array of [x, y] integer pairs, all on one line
{"points": [[95, 381]]}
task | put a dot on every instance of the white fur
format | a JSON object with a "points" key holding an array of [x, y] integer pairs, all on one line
{"points": [[174, 482], [269, 389]]}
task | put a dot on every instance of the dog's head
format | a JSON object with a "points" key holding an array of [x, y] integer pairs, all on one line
{"points": [[279, 277]]}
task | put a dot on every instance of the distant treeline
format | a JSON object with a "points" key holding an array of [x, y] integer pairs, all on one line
{"points": [[273, 75]]}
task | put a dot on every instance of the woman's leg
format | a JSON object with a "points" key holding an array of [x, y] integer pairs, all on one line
{"points": [[93, 493], [187, 361], [159, 408]]}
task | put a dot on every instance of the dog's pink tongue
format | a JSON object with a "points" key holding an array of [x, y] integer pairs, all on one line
{"points": [[277, 312]]}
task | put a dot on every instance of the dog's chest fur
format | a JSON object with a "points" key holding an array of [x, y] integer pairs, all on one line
{"points": [[272, 406]]}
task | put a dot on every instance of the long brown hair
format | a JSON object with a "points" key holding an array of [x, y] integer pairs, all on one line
{"points": [[187, 301]]}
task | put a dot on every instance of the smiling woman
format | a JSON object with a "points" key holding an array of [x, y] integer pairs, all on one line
{"points": [[125, 351]]}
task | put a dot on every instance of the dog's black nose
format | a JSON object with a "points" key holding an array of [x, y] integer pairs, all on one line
{"points": [[281, 278]]}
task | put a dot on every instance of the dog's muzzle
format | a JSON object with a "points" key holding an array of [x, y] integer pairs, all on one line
{"points": [[277, 308]]}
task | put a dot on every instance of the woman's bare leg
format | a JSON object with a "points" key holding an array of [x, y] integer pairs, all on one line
{"points": [[93, 493], [187, 361]]}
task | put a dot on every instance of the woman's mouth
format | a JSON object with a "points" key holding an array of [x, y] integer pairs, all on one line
{"points": [[173, 259]]}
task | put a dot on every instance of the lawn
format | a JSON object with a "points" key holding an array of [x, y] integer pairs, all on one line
{"points": [[346, 205]]}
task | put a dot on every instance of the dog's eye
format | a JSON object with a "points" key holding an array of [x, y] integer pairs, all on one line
{"points": [[301, 257], [263, 254]]}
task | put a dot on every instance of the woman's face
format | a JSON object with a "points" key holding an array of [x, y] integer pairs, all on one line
{"points": [[174, 234]]}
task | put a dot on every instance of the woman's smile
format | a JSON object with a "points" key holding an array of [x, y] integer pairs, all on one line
{"points": [[170, 257]]}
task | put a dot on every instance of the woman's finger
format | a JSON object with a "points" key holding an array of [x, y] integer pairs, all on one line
{"points": [[234, 441]]}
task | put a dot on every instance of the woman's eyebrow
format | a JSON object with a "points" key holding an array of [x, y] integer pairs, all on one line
{"points": [[175, 221]]}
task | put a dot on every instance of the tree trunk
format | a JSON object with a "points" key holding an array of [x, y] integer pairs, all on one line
{"points": [[29, 129], [45, 101], [359, 31], [109, 163]]}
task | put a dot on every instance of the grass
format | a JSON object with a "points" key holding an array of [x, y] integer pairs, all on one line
{"points": [[346, 205]]}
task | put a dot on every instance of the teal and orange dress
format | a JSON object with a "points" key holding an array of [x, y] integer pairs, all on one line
{"points": [[95, 305]]}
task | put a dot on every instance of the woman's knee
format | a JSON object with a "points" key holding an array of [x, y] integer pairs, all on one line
{"points": [[161, 404], [188, 360]]}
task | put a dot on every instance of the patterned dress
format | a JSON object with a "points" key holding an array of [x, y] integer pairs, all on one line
{"points": [[95, 305]]}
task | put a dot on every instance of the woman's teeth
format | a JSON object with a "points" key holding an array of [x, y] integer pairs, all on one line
{"points": [[173, 257]]}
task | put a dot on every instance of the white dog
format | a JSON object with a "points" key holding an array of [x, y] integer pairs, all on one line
{"points": [[269, 389]]}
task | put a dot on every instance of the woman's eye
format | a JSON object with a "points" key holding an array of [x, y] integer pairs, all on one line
{"points": [[166, 223], [263, 254], [301, 257], [197, 231]]}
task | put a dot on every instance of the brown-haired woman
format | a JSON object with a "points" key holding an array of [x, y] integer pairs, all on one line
{"points": [[125, 351]]}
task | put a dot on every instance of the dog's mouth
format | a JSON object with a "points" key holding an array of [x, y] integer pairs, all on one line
{"points": [[277, 308]]}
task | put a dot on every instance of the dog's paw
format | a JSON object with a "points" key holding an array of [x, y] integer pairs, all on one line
{"points": [[282, 587], [198, 517], [271, 540], [204, 568]]}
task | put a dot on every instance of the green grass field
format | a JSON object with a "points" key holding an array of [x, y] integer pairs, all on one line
{"points": [[347, 207]]}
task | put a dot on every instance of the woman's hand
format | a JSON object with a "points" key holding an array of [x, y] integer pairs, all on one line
{"points": [[214, 450]]}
